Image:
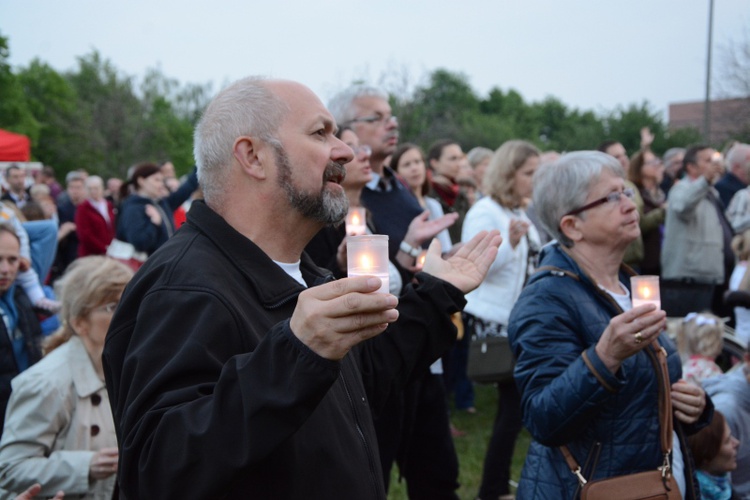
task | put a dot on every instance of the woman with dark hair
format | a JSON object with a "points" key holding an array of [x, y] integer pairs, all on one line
{"points": [[715, 453], [145, 218], [646, 172], [445, 158], [408, 162]]}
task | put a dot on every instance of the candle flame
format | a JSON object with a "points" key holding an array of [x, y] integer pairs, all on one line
{"points": [[365, 262], [646, 292], [355, 219]]}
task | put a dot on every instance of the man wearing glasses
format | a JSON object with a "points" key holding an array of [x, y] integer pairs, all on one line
{"points": [[395, 211], [429, 462]]}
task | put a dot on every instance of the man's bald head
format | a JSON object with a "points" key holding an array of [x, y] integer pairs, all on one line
{"points": [[249, 107]]}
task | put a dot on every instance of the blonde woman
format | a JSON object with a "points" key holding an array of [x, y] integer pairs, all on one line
{"points": [[59, 430], [508, 185]]}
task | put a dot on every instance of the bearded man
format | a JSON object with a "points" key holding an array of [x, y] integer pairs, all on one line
{"points": [[235, 367]]}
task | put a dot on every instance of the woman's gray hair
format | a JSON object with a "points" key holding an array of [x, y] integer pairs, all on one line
{"points": [[245, 108], [477, 155], [563, 186], [93, 179], [341, 106]]}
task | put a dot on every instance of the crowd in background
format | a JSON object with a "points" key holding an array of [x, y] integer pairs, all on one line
{"points": [[684, 215]]}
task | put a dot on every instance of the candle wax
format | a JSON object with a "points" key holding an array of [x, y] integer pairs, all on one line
{"points": [[386, 282]]}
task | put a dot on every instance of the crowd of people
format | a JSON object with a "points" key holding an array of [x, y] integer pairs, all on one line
{"points": [[240, 361]]}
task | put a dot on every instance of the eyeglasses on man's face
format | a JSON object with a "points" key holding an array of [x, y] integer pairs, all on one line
{"points": [[612, 198], [377, 119]]}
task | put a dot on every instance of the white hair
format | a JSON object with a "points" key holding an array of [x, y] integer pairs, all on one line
{"points": [[342, 105], [563, 186]]}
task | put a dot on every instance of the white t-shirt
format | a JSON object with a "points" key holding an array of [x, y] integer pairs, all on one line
{"points": [[293, 271]]}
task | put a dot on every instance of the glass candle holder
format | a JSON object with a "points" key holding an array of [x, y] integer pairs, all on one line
{"points": [[367, 255], [645, 290], [355, 221]]}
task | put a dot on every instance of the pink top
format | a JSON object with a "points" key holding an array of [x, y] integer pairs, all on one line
{"points": [[698, 368]]}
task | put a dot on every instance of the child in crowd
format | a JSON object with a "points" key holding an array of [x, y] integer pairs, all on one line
{"points": [[699, 341]]}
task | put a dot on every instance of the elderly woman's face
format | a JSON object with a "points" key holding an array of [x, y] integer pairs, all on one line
{"points": [[95, 190], [612, 223], [93, 327]]}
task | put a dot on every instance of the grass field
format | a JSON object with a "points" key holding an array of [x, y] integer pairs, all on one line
{"points": [[472, 446]]}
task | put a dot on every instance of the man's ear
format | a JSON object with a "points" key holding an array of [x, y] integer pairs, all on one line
{"points": [[569, 226], [247, 152]]}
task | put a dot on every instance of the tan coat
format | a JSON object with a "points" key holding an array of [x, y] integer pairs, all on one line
{"points": [[58, 417]]}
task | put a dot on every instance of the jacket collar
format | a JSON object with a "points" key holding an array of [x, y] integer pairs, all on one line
{"points": [[555, 255], [85, 379], [272, 285]]}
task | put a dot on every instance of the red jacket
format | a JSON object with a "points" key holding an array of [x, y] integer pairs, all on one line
{"points": [[94, 233]]}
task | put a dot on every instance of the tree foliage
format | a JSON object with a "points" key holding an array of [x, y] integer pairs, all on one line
{"points": [[447, 106], [97, 118]]}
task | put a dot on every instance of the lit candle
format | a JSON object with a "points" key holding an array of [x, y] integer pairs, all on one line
{"points": [[367, 255], [645, 290], [355, 221], [420, 260]]}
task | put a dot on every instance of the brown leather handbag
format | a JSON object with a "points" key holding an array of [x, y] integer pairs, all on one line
{"points": [[656, 484]]}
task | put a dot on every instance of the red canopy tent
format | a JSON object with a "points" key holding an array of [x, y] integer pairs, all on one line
{"points": [[14, 147]]}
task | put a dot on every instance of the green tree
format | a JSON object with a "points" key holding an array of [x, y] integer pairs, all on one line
{"points": [[111, 114], [53, 102], [439, 109], [15, 114]]}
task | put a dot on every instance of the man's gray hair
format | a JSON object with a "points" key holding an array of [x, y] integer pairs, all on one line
{"points": [[245, 108], [739, 154], [74, 175], [563, 186], [342, 105], [671, 153]]}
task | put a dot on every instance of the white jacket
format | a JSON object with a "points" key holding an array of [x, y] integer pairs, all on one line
{"points": [[496, 295], [57, 418]]}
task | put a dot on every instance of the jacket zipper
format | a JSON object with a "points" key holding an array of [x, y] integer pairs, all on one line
{"points": [[377, 481]]}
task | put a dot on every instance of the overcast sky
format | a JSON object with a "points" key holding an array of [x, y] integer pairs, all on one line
{"points": [[593, 54]]}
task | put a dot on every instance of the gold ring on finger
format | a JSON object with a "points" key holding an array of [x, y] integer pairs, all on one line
{"points": [[638, 337]]}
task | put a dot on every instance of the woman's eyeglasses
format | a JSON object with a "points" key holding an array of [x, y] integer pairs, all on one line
{"points": [[611, 198], [108, 308]]}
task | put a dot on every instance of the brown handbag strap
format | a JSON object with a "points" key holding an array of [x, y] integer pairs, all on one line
{"points": [[658, 358]]}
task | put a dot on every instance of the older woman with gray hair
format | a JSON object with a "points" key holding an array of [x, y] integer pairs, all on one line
{"points": [[95, 219], [583, 353], [59, 430]]}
